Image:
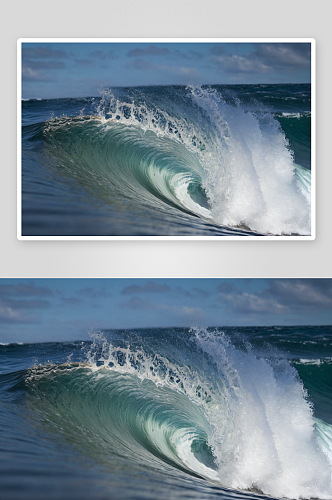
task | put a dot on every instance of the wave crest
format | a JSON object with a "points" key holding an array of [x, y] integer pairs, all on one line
{"points": [[200, 403], [190, 150]]}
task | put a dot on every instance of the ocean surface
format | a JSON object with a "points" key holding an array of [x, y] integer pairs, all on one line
{"points": [[232, 413], [223, 160]]}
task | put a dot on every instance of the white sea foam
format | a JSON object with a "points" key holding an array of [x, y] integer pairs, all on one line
{"points": [[250, 173], [315, 361]]}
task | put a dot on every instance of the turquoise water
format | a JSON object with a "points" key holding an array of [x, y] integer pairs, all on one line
{"points": [[169, 413], [169, 161]]}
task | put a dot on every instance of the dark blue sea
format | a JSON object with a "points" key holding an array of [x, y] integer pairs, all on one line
{"points": [[176, 413], [223, 160]]}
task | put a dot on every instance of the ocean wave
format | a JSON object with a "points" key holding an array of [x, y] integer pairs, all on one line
{"points": [[191, 151], [199, 404]]}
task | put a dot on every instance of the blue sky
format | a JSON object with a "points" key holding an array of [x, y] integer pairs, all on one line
{"points": [[41, 310], [52, 70]]}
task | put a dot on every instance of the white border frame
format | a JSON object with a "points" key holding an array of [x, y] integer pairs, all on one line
{"points": [[312, 41]]}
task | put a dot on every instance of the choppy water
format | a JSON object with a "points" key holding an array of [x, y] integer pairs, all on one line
{"points": [[169, 413], [169, 161]]}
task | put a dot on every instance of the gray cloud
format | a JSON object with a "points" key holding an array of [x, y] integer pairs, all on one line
{"points": [[183, 314], [29, 75], [26, 304], [42, 65], [24, 290], [195, 293], [35, 70], [9, 316], [218, 50], [92, 293], [17, 299], [280, 55], [140, 64], [152, 50], [19, 311], [103, 56], [265, 58], [43, 53], [71, 301], [198, 292], [240, 64], [38, 63], [138, 303], [181, 74], [281, 297], [299, 293], [149, 287], [84, 62], [191, 55]]}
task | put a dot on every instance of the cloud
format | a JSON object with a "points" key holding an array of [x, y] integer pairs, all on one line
{"points": [[226, 287], [265, 58], [191, 72], [244, 303], [282, 296], [17, 301], [180, 75], [142, 65], [138, 303], [24, 290], [195, 293], [239, 64], [26, 304], [35, 70], [15, 311], [71, 301], [9, 315], [191, 55], [153, 288], [201, 293], [302, 293], [152, 50], [218, 50], [92, 293], [280, 55], [84, 62], [149, 287], [194, 313], [43, 53], [38, 61], [42, 65], [87, 296], [103, 56], [29, 74], [183, 315]]}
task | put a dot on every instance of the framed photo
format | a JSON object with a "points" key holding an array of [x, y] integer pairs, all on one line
{"points": [[166, 139], [170, 395]]}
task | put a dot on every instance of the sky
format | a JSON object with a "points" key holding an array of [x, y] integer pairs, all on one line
{"points": [[44, 310], [55, 70]]}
